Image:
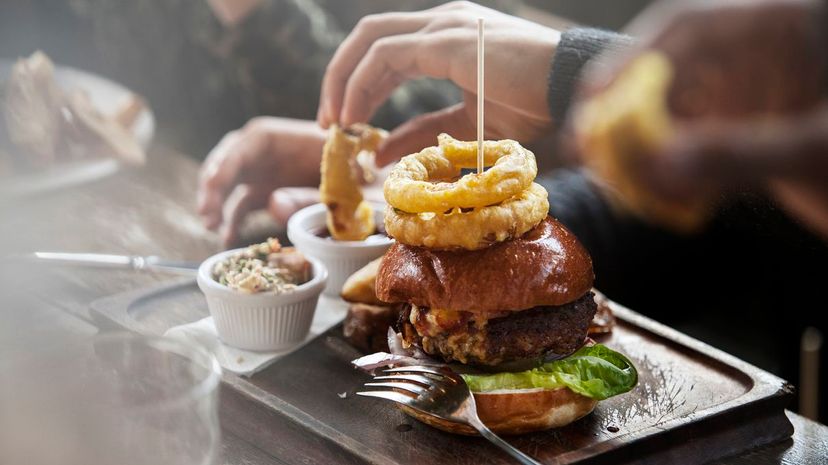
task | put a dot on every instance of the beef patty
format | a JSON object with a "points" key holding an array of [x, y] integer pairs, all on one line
{"points": [[493, 339]]}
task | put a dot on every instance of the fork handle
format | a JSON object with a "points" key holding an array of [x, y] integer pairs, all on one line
{"points": [[503, 445]]}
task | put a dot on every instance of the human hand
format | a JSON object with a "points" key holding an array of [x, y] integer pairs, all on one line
{"points": [[731, 59], [785, 155], [385, 50], [250, 167], [740, 72]]}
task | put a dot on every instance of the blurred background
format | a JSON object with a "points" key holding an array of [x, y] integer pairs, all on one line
{"points": [[203, 77], [204, 73]]}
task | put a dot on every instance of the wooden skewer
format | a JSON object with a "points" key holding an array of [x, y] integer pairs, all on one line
{"points": [[480, 95]]}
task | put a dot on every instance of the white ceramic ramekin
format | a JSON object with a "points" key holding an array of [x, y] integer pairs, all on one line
{"points": [[262, 321], [342, 258]]}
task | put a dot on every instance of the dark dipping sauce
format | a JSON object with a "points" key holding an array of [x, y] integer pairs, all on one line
{"points": [[322, 232]]}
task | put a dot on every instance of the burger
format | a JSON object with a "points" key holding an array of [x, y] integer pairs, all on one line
{"points": [[512, 316], [518, 313]]}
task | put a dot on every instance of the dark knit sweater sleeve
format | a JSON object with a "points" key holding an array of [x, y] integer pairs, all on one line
{"points": [[577, 46]]}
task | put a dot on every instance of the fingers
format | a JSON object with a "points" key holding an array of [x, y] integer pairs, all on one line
{"points": [[222, 168], [241, 201], [703, 157], [422, 131], [741, 151], [218, 172], [353, 49], [387, 64], [286, 201]]}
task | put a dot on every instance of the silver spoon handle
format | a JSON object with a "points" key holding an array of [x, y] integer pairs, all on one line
{"points": [[503, 445]]}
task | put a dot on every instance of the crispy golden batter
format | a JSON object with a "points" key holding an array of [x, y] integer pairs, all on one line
{"points": [[430, 207], [350, 217], [425, 181], [470, 230]]}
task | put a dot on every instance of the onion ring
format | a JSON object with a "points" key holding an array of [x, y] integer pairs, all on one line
{"points": [[410, 186], [349, 217], [471, 230]]}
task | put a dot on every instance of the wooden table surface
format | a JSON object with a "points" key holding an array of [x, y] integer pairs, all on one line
{"points": [[150, 211]]}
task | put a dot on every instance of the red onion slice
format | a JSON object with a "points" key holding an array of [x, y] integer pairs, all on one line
{"points": [[398, 356]]}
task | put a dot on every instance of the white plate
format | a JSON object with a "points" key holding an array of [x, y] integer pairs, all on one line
{"points": [[107, 96]]}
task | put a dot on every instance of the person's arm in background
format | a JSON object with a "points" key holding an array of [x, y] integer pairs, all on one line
{"points": [[746, 101], [250, 167], [573, 198], [272, 161], [532, 74], [383, 51], [577, 47]]}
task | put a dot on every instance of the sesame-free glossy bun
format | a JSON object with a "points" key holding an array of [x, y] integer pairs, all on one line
{"points": [[546, 266], [518, 411]]}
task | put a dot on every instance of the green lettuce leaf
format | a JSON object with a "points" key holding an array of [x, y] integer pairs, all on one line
{"points": [[594, 371]]}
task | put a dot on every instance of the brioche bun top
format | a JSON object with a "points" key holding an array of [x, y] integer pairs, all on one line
{"points": [[546, 266]]}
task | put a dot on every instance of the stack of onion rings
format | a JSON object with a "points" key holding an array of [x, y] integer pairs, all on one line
{"points": [[430, 205]]}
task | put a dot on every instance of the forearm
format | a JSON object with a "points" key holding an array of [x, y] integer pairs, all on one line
{"points": [[577, 47]]}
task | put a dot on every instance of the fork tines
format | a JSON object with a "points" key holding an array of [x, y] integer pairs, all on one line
{"points": [[404, 384]]}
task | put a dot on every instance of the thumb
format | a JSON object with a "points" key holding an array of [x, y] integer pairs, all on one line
{"points": [[422, 131]]}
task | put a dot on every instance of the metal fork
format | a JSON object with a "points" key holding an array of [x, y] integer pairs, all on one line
{"points": [[440, 392]]}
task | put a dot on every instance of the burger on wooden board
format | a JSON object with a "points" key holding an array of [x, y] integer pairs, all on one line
{"points": [[495, 288]]}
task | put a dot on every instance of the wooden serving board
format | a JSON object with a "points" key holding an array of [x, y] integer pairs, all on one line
{"points": [[693, 402]]}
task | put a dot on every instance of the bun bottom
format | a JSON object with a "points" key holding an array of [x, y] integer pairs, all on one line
{"points": [[518, 411]]}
